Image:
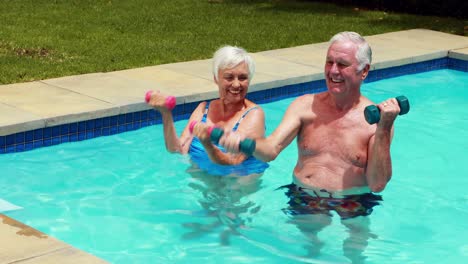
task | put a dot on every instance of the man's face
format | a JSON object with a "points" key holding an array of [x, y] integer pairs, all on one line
{"points": [[233, 83], [341, 68]]}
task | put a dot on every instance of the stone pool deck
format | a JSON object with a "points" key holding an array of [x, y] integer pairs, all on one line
{"points": [[46, 103]]}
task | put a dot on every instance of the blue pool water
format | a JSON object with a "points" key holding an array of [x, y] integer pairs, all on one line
{"points": [[126, 200]]}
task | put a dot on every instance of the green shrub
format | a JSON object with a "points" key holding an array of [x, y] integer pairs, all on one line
{"points": [[451, 8]]}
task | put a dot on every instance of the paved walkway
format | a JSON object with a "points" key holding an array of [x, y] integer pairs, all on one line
{"points": [[28, 106]]}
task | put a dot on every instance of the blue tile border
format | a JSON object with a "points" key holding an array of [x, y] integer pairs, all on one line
{"points": [[419, 67], [459, 65], [287, 91], [105, 126]]}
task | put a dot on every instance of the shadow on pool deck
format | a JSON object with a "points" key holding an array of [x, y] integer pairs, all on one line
{"points": [[45, 103]]}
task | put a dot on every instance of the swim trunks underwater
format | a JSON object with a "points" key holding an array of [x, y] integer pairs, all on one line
{"points": [[302, 202]]}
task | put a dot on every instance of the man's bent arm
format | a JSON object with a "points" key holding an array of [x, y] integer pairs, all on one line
{"points": [[379, 163]]}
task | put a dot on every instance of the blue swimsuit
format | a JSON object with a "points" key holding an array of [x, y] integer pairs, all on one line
{"points": [[200, 157]]}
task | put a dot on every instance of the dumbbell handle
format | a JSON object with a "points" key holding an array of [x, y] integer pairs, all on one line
{"points": [[246, 146], [169, 103], [372, 112]]}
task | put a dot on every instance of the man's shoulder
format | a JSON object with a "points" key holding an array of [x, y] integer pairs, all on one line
{"points": [[303, 99], [365, 100]]}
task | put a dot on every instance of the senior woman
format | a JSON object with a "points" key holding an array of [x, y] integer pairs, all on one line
{"points": [[233, 69]]}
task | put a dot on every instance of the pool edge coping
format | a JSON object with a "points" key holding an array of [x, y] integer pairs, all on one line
{"points": [[120, 123]]}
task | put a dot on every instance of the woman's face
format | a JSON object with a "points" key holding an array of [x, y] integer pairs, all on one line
{"points": [[233, 83]]}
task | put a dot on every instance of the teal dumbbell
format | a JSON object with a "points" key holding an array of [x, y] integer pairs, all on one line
{"points": [[246, 146], [372, 112]]}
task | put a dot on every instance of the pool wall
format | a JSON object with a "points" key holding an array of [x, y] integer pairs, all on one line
{"points": [[105, 126]]}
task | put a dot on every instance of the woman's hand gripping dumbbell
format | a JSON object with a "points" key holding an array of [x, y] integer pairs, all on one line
{"points": [[246, 146], [160, 101]]}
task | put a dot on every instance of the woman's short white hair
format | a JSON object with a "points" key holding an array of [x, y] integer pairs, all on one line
{"points": [[229, 57], [364, 51]]}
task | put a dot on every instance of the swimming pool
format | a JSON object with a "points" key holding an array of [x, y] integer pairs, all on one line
{"points": [[126, 200]]}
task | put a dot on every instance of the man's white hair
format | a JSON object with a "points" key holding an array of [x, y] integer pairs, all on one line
{"points": [[364, 51]]}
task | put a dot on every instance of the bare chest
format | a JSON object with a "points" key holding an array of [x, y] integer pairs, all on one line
{"points": [[343, 140]]}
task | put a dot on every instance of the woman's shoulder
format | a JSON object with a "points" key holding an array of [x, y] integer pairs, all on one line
{"points": [[203, 103], [215, 103], [249, 104]]}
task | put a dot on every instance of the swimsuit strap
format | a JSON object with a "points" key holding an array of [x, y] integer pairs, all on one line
{"points": [[205, 114], [242, 117]]}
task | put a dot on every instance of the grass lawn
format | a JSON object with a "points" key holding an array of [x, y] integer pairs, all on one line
{"points": [[42, 39]]}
